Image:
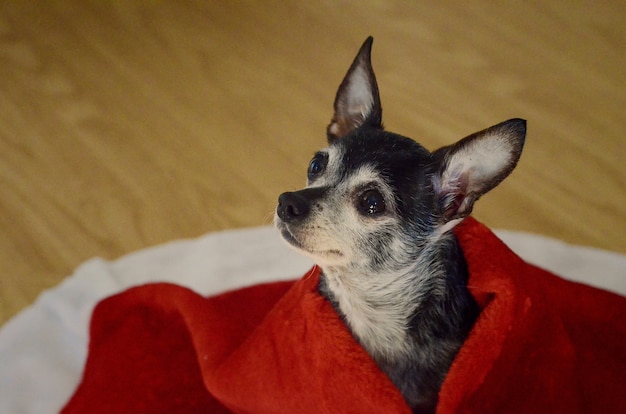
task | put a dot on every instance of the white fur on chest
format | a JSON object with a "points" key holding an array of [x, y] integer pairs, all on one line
{"points": [[377, 309]]}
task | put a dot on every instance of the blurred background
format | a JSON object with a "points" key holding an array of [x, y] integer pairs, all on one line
{"points": [[125, 124]]}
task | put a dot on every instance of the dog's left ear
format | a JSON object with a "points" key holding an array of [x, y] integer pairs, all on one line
{"points": [[357, 102], [470, 168]]}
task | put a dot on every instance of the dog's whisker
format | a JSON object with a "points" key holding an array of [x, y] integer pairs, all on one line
{"points": [[269, 218]]}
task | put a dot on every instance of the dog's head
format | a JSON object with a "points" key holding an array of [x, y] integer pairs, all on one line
{"points": [[375, 198]]}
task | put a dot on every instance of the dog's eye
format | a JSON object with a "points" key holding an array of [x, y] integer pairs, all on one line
{"points": [[317, 165], [372, 202]]}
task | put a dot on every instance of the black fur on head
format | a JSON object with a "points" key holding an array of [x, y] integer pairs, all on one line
{"points": [[461, 173]]}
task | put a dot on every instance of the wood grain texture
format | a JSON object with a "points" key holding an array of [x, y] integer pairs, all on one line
{"points": [[125, 124]]}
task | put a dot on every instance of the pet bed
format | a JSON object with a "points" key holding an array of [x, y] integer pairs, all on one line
{"points": [[43, 350]]}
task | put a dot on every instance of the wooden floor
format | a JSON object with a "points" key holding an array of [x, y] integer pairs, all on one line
{"points": [[131, 123]]}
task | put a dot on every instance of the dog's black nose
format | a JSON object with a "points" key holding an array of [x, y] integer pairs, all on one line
{"points": [[292, 207]]}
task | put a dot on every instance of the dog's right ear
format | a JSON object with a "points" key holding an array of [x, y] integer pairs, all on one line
{"points": [[357, 102]]}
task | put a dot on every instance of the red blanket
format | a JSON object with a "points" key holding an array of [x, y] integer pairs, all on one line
{"points": [[541, 344]]}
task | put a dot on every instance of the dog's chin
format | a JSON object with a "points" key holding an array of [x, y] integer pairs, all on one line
{"points": [[290, 238], [330, 256]]}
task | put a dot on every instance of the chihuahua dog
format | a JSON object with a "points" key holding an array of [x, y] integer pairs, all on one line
{"points": [[377, 216]]}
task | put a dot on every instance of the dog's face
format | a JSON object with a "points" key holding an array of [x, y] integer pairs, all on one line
{"points": [[363, 195], [374, 198]]}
